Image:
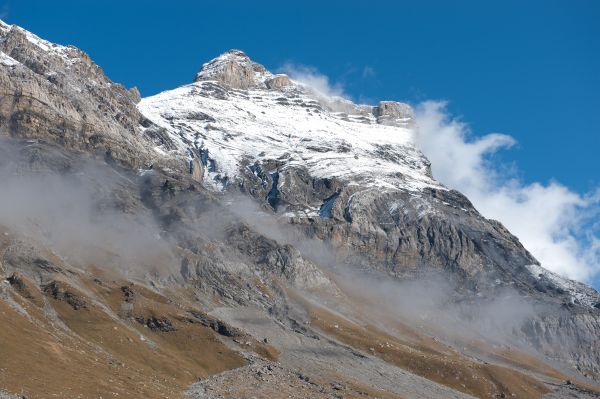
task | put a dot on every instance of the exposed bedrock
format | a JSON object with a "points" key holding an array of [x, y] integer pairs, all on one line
{"points": [[58, 94]]}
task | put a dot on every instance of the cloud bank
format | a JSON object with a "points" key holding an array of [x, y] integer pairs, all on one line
{"points": [[554, 223]]}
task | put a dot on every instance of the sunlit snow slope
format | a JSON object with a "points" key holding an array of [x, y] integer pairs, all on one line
{"points": [[288, 123]]}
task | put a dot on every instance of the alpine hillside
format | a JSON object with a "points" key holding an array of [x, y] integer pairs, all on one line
{"points": [[245, 235]]}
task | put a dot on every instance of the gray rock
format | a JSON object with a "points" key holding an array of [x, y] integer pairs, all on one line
{"points": [[394, 113], [5, 395], [278, 82], [58, 94], [233, 69], [135, 95]]}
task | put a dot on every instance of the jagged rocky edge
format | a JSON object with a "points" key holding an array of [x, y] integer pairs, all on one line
{"points": [[57, 93]]}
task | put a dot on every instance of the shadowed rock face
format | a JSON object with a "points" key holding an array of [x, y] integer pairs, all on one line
{"points": [[163, 170]]}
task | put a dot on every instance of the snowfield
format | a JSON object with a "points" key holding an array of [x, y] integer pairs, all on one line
{"points": [[290, 127]]}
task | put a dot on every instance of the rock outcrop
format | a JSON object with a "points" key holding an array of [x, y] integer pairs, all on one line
{"points": [[278, 82], [234, 69], [394, 113], [58, 94]]}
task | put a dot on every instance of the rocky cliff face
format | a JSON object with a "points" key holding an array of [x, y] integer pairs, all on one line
{"points": [[58, 94], [256, 196]]}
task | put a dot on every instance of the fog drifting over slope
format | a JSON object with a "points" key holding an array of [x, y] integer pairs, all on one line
{"points": [[73, 211]]}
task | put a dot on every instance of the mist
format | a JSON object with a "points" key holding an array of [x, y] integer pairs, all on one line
{"points": [[85, 213], [435, 304], [432, 301]]}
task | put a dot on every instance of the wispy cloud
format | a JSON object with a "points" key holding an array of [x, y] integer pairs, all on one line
{"points": [[309, 76], [556, 224], [320, 83], [368, 72]]}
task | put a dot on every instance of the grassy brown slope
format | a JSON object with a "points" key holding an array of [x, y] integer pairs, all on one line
{"points": [[526, 361], [40, 364], [482, 380], [98, 354], [144, 304], [179, 356]]}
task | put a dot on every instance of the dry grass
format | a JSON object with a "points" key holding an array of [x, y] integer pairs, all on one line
{"points": [[100, 350], [526, 361], [40, 363], [448, 368]]}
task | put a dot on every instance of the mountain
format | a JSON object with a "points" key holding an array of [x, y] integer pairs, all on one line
{"points": [[248, 235]]}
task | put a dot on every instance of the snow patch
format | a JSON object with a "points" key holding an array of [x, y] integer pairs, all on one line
{"points": [[6, 60], [579, 292], [291, 127]]}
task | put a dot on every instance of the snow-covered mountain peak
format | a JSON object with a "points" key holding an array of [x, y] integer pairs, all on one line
{"points": [[242, 114], [235, 70]]}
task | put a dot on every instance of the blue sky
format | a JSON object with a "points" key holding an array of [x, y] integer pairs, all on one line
{"points": [[529, 69]]}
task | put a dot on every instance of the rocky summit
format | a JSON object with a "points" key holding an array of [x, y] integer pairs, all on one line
{"points": [[246, 235]]}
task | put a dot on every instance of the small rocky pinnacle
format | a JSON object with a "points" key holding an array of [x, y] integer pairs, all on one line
{"points": [[234, 69]]}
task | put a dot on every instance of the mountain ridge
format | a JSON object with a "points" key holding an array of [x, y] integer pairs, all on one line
{"points": [[255, 199]]}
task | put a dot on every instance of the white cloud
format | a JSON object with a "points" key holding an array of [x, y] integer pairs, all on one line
{"points": [[554, 223], [312, 78]]}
